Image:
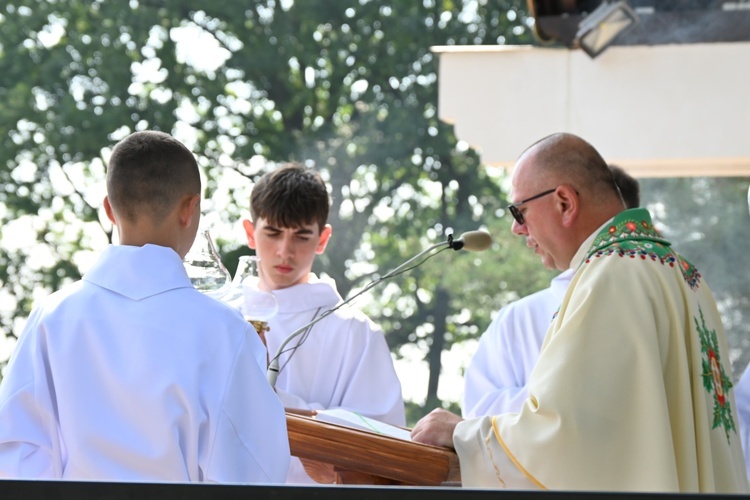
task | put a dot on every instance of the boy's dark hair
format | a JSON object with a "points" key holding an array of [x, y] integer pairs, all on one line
{"points": [[290, 197], [148, 173]]}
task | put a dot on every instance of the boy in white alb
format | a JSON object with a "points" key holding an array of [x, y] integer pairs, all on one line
{"points": [[742, 392], [131, 374], [343, 360], [495, 380]]}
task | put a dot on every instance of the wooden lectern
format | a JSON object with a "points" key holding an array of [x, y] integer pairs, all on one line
{"points": [[342, 455]]}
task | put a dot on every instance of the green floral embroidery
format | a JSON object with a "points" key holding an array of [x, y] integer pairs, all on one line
{"points": [[632, 234], [715, 379]]}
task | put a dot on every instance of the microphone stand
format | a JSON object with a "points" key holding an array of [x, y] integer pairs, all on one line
{"points": [[273, 367]]}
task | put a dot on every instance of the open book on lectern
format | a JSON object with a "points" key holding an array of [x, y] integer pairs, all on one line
{"points": [[348, 418]]}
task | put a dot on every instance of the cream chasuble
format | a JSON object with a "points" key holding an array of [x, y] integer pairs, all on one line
{"points": [[632, 390]]}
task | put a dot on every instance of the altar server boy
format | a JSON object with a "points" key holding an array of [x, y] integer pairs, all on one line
{"points": [[130, 374], [343, 360]]}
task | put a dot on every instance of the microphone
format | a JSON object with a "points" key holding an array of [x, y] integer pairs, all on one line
{"points": [[473, 241]]}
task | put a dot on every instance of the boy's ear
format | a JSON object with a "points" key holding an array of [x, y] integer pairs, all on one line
{"points": [[188, 206], [250, 232], [325, 235], [108, 210]]}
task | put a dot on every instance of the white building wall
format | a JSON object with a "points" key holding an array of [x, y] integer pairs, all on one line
{"points": [[659, 110]]}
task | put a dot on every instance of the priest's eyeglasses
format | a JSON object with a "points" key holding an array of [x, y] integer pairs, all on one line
{"points": [[516, 213]]}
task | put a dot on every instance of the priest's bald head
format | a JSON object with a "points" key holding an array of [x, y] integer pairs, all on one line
{"points": [[562, 191]]}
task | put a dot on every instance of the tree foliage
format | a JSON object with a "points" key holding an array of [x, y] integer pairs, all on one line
{"points": [[349, 86]]}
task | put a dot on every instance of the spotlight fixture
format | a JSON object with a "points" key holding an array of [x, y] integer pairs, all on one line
{"points": [[599, 29]]}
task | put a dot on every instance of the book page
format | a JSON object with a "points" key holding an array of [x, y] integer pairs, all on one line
{"points": [[353, 419]]}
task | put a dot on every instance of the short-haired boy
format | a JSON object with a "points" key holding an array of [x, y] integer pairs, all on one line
{"points": [[130, 374], [343, 361]]}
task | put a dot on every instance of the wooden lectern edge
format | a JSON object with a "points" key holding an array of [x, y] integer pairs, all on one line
{"points": [[383, 456], [378, 455], [304, 412]]}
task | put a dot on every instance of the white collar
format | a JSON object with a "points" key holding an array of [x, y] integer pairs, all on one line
{"points": [[316, 293], [138, 272]]}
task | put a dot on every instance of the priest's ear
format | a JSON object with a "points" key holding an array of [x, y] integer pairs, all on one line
{"points": [[567, 204]]}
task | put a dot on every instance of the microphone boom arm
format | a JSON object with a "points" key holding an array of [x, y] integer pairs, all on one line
{"points": [[475, 241], [274, 366]]}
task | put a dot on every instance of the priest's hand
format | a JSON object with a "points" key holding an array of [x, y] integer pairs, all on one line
{"points": [[436, 428]]}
